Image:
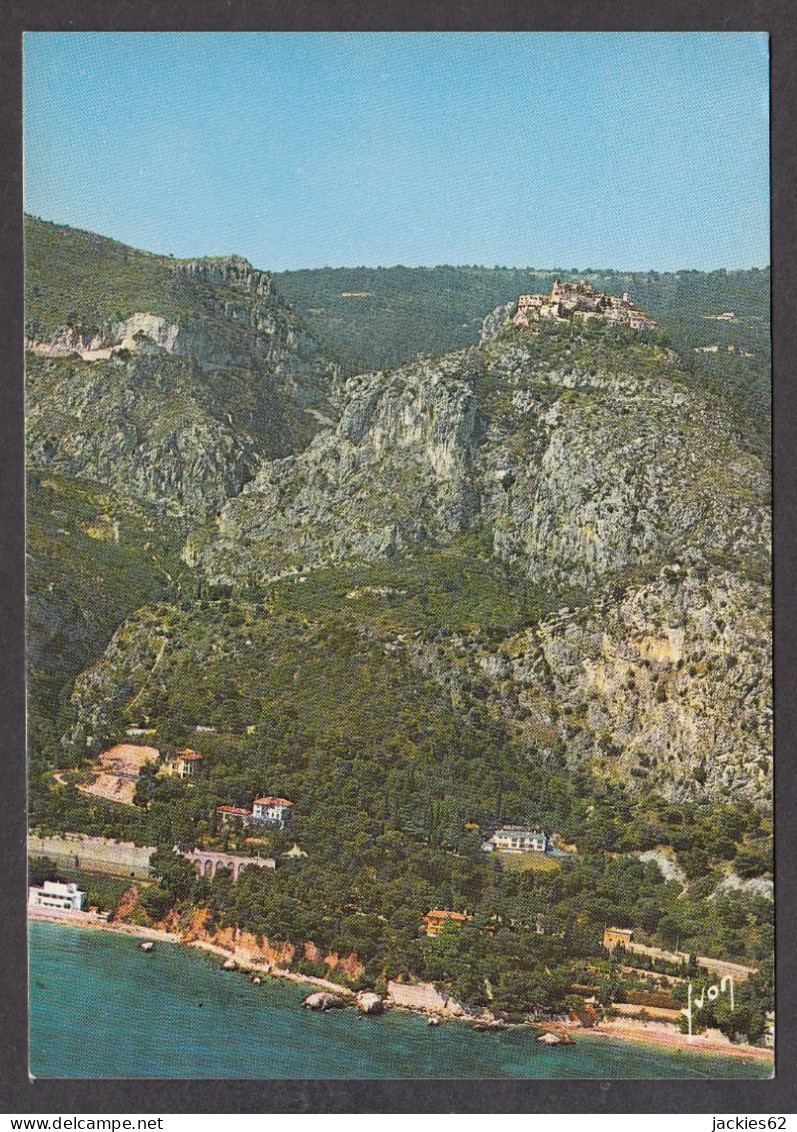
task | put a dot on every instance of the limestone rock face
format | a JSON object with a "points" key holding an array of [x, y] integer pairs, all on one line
{"points": [[757, 886], [577, 473], [586, 467], [667, 683], [586, 472], [144, 428], [178, 410], [590, 468], [395, 471]]}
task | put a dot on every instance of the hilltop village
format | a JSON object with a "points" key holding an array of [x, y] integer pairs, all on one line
{"points": [[569, 301]]}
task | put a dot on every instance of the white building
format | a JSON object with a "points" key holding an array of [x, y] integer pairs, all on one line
{"points": [[517, 839], [272, 811], [53, 894]]}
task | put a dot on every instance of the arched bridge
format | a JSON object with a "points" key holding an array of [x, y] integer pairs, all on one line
{"points": [[207, 862]]}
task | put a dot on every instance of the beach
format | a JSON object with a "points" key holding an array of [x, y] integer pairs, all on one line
{"points": [[667, 1036], [169, 1013]]}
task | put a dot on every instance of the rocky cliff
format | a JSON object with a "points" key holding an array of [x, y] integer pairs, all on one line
{"points": [[396, 471], [665, 684], [176, 400], [579, 459], [560, 528]]}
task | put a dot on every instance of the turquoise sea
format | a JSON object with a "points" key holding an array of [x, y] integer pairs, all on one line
{"points": [[100, 1007]]}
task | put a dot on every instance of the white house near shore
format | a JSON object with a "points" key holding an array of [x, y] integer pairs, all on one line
{"points": [[517, 839], [54, 894]]}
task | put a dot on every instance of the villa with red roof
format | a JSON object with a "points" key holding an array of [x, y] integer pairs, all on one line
{"points": [[233, 813], [436, 918], [267, 810], [272, 811]]}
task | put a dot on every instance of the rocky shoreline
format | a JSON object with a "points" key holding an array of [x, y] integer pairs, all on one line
{"points": [[657, 1034]]}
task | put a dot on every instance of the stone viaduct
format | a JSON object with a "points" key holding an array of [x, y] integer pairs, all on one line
{"points": [[208, 862]]}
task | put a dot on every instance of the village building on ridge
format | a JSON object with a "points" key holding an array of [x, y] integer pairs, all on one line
{"points": [[578, 300]]}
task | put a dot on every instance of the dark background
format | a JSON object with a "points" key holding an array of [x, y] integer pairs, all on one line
{"points": [[17, 1093]]}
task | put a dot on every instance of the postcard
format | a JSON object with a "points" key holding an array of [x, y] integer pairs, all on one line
{"points": [[399, 542]]}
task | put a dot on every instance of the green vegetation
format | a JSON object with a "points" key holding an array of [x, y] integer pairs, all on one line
{"points": [[539, 862], [744, 1020], [457, 588], [93, 559], [102, 892], [79, 278]]}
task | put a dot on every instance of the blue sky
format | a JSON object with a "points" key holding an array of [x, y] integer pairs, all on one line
{"points": [[629, 150]]}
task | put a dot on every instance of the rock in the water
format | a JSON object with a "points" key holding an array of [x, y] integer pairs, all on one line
{"points": [[229, 965], [550, 1039], [322, 1000], [432, 1021], [147, 945], [369, 1002]]}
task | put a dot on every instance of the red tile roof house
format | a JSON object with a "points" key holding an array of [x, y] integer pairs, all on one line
{"points": [[265, 811], [272, 811], [234, 813], [437, 917]]}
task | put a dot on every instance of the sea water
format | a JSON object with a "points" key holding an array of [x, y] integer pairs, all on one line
{"points": [[101, 1007]]}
